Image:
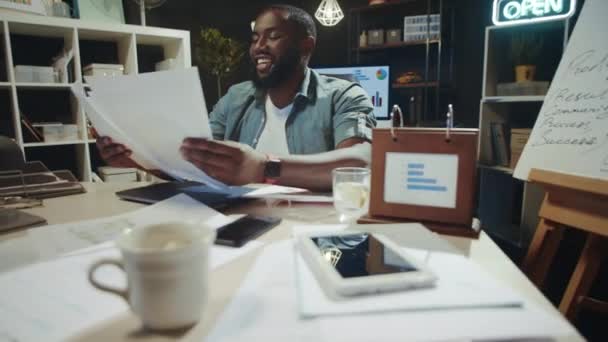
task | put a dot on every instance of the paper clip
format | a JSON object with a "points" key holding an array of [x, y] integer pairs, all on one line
{"points": [[449, 122], [396, 111]]}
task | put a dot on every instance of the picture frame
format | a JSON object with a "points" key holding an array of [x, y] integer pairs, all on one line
{"points": [[28, 6]]}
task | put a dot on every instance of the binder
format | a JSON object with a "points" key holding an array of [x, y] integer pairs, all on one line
{"points": [[424, 175]]}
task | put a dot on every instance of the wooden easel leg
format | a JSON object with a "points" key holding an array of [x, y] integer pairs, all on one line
{"points": [[542, 249], [585, 272]]}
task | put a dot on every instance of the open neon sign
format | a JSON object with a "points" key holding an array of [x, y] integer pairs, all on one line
{"points": [[512, 12]]}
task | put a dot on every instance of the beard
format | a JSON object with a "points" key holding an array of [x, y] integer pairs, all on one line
{"points": [[282, 70]]}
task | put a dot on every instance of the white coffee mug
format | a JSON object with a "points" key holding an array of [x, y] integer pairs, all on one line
{"points": [[167, 267]]}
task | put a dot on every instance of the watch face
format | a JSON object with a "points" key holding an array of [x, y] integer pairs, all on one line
{"points": [[272, 169]]}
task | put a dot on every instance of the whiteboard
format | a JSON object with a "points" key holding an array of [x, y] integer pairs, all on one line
{"points": [[571, 132]]}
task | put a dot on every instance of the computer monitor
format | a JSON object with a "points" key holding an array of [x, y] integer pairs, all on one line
{"points": [[374, 79]]}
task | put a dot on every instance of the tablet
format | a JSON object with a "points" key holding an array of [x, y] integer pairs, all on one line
{"points": [[356, 263]]}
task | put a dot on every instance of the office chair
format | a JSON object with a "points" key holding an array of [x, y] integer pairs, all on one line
{"points": [[11, 156]]}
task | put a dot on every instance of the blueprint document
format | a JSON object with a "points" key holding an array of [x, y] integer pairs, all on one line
{"points": [[151, 113]]}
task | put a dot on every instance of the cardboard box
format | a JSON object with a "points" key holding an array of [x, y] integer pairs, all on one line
{"points": [[375, 37], [519, 138], [514, 159]]}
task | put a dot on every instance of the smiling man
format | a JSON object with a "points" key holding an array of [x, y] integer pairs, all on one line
{"points": [[288, 125]]}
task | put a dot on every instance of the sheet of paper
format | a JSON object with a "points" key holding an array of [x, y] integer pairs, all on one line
{"points": [[304, 198], [271, 190], [453, 290], [266, 307], [58, 239], [105, 127], [53, 300], [571, 132], [156, 111]]}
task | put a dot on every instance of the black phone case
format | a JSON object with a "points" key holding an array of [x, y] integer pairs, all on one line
{"points": [[251, 227]]}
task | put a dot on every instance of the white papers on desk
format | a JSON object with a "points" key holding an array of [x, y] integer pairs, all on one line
{"points": [[279, 192], [151, 113], [266, 307], [53, 300], [58, 239]]}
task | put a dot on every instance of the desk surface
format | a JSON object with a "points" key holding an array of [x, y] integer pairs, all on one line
{"points": [[100, 201]]}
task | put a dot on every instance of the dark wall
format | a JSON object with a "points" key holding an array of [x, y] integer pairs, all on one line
{"points": [[233, 17]]}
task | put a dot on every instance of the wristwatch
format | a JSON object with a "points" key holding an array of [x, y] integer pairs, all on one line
{"points": [[272, 170]]}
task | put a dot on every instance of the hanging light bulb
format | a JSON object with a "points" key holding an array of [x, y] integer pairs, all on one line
{"points": [[329, 13]]}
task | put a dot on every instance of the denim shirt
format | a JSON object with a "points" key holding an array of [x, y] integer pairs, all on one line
{"points": [[326, 111]]}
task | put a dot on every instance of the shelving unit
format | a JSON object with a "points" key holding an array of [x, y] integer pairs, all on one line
{"points": [[509, 207], [34, 40], [430, 58]]}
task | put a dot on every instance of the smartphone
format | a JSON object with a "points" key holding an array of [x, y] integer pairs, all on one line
{"points": [[246, 228], [356, 263]]}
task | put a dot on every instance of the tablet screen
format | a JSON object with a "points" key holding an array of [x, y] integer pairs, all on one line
{"points": [[360, 255]]}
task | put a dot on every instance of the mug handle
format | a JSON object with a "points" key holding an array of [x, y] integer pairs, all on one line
{"points": [[120, 292]]}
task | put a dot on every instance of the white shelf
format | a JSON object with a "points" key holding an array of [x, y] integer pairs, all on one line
{"points": [[26, 85], [55, 143], [503, 169], [505, 99], [76, 35]]}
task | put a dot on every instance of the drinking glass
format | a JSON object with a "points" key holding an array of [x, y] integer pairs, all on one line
{"points": [[351, 192]]}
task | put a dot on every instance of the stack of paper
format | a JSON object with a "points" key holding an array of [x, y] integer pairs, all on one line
{"points": [[267, 306], [151, 113]]}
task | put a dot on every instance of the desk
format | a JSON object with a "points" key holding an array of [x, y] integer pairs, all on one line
{"points": [[100, 201]]}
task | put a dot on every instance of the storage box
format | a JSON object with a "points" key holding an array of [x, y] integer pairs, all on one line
{"points": [[421, 27], [393, 36], [35, 74], [97, 69], [56, 131], [117, 174], [519, 138], [375, 37], [527, 88]]}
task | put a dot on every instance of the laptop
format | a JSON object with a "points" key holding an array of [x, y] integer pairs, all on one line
{"points": [[203, 193]]}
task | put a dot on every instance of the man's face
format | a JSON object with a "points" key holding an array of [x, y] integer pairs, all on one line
{"points": [[274, 51]]}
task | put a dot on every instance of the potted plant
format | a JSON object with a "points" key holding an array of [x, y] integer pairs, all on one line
{"points": [[525, 50], [218, 54]]}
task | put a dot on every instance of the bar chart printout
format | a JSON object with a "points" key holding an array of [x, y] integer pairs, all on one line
{"points": [[425, 179]]}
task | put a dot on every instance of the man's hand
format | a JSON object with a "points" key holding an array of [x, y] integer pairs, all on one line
{"points": [[115, 154], [227, 161]]}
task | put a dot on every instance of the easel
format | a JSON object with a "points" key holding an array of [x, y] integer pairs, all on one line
{"points": [[576, 202]]}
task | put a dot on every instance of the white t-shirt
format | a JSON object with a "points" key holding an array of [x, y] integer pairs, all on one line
{"points": [[273, 139]]}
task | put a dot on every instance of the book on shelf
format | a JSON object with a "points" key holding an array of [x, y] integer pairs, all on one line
{"points": [[499, 143], [33, 133]]}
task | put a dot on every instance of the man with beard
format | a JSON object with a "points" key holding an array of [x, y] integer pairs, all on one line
{"points": [[289, 125]]}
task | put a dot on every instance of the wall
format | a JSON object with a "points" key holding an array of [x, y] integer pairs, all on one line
{"points": [[232, 17]]}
